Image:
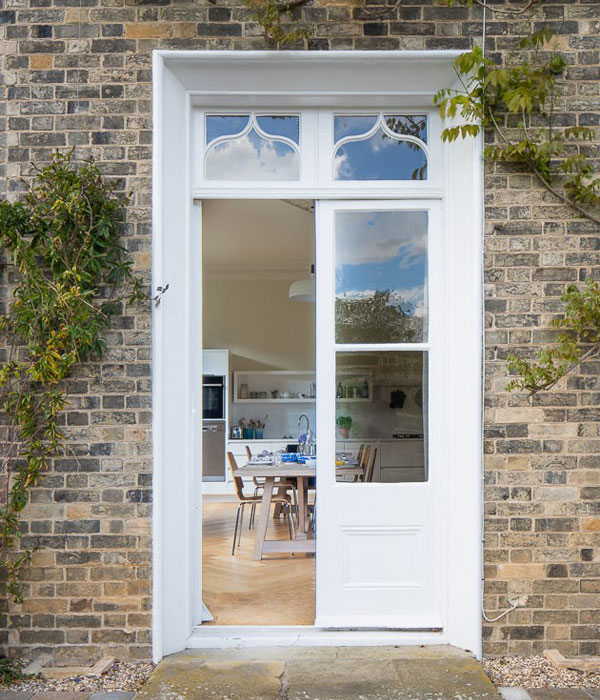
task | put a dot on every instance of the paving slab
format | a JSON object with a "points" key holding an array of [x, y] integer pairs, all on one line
{"points": [[558, 694], [214, 680], [444, 679], [15, 694], [340, 679], [60, 695], [111, 695], [320, 673]]}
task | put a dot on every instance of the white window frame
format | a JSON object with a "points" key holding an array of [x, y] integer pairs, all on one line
{"points": [[316, 150], [289, 81]]}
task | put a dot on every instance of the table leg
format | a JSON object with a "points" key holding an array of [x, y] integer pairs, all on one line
{"points": [[302, 509], [263, 518]]}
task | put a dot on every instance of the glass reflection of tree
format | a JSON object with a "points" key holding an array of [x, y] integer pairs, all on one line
{"points": [[409, 126], [374, 319]]}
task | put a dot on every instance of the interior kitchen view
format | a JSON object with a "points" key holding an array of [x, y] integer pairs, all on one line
{"points": [[260, 435]]}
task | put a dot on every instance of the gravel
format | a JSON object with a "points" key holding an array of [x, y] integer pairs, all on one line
{"points": [[125, 676], [535, 672]]}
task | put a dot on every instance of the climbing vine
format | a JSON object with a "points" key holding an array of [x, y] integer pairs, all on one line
{"points": [[71, 277], [270, 15], [516, 104]]}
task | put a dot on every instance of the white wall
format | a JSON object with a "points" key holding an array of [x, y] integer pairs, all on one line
{"points": [[263, 330], [256, 321]]}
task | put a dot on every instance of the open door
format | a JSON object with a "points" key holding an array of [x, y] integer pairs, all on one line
{"points": [[380, 339]]}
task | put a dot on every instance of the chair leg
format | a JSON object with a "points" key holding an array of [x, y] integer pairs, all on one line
{"points": [[252, 514], [290, 520], [242, 505], [237, 519]]}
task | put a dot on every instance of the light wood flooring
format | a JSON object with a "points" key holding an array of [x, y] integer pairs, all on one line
{"points": [[279, 590]]}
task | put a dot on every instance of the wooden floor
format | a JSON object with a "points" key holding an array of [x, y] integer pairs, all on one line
{"points": [[279, 590]]}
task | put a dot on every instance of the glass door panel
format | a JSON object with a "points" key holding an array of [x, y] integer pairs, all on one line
{"points": [[381, 276], [379, 346], [381, 413]]}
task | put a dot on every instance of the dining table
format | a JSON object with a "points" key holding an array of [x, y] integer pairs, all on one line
{"points": [[304, 539]]}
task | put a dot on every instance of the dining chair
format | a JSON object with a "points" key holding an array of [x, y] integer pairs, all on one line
{"points": [[359, 454], [282, 485], [371, 467], [243, 500], [257, 481], [364, 462]]}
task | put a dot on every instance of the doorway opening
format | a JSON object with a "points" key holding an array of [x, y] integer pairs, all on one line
{"points": [[258, 359]]}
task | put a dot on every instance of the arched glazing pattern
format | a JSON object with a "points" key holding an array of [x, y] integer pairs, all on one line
{"points": [[252, 147], [380, 147]]}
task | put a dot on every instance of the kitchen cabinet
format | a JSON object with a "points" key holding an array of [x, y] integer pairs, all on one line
{"points": [[215, 362], [402, 460]]}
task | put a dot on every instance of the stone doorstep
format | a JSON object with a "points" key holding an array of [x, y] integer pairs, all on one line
{"points": [[318, 673]]}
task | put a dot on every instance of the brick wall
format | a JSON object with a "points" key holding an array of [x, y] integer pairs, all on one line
{"points": [[81, 76]]}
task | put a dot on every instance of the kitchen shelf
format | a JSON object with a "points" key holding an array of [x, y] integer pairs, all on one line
{"points": [[267, 381]]}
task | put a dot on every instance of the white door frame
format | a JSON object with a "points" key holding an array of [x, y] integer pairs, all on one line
{"points": [[329, 79]]}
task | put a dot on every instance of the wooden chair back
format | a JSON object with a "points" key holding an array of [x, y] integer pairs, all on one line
{"points": [[371, 467], [359, 454], [248, 453], [364, 463], [237, 480]]}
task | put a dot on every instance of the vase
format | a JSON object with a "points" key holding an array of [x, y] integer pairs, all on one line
{"points": [[344, 433]]}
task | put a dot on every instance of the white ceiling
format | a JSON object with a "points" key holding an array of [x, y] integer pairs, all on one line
{"points": [[250, 237]]}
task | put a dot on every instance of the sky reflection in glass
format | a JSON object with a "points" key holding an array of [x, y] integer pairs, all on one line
{"points": [[252, 157], [380, 156], [230, 124], [225, 125], [288, 126], [354, 125], [381, 276]]}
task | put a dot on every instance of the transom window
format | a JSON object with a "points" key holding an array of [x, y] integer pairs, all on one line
{"points": [[380, 147], [252, 147], [349, 150]]}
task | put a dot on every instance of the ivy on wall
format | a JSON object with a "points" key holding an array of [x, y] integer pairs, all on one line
{"points": [[70, 276], [515, 103]]}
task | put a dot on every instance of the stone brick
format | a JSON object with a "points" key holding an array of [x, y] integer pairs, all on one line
{"points": [[542, 455]]}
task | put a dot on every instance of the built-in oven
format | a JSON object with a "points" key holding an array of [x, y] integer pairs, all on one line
{"points": [[213, 397]]}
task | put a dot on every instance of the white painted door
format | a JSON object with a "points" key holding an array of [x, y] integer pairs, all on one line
{"points": [[380, 340]]}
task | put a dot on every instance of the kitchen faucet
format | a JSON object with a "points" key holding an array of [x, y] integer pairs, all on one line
{"points": [[309, 445], [303, 415]]}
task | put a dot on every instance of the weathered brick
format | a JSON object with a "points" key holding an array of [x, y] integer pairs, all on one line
{"points": [[541, 504]]}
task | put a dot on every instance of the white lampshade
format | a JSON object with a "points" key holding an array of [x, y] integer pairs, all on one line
{"points": [[303, 290]]}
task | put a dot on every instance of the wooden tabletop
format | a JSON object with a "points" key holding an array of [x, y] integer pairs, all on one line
{"points": [[291, 469]]}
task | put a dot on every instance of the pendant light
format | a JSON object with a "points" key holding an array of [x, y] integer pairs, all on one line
{"points": [[304, 289]]}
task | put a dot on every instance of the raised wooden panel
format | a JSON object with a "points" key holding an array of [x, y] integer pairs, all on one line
{"points": [[381, 557]]}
